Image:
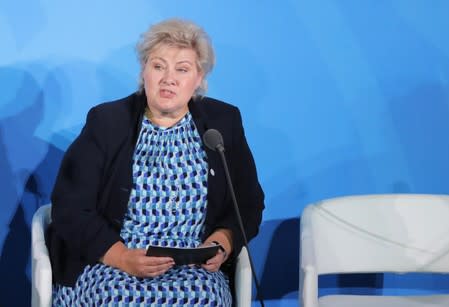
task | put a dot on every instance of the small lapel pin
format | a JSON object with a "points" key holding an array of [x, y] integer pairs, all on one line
{"points": [[212, 172]]}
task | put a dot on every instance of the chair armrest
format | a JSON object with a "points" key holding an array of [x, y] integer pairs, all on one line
{"points": [[41, 285], [308, 272], [308, 288], [40, 251], [42, 280], [243, 282]]}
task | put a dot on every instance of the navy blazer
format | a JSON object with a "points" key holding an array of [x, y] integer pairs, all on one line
{"points": [[91, 193]]}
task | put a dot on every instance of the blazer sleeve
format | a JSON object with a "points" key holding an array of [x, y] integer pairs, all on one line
{"points": [[75, 218], [249, 194]]}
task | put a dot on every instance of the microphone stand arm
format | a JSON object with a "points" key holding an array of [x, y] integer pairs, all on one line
{"points": [[220, 150]]}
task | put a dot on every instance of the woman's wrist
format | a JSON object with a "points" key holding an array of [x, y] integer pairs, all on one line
{"points": [[113, 256], [224, 237]]}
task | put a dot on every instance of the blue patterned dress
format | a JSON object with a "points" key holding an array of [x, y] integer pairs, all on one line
{"points": [[167, 207]]}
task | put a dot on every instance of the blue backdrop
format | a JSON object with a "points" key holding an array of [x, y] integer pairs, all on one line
{"points": [[337, 97]]}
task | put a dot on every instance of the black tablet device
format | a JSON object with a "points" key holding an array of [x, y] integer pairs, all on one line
{"points": [[181, 255]]}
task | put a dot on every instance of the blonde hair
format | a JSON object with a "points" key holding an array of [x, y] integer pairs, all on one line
{"points": [[182, 34]]}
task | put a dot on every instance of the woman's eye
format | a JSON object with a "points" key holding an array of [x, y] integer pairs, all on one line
{"points": [[182, 70], [158, 66]]}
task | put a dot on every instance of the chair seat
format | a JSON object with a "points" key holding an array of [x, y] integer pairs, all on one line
{"points": [[383, 301]]}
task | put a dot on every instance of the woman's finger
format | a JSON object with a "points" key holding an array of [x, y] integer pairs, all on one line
{"points": [[159, 267], [149, 260], [157, 272], [214, 263]]}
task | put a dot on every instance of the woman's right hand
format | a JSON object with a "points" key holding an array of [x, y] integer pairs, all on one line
{"points": [[136, 262]]}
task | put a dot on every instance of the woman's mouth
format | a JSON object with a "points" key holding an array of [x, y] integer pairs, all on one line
{"points": [[164, 93]]}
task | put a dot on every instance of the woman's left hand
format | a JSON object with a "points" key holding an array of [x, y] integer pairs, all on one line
{"points": [[213, 264]]}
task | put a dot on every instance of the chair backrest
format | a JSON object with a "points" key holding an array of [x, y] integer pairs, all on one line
{"points": [[379, 233], [41, 267]]}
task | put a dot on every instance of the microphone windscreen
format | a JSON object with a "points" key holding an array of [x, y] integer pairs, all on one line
{"points": [[212, 139]]}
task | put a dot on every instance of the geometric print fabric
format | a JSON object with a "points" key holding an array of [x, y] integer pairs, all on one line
{"points": [[167, 207], [169, 192]]}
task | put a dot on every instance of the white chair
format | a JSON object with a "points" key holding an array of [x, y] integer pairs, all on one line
{"points": [[374, 233], [243, 280], [41, 293]]}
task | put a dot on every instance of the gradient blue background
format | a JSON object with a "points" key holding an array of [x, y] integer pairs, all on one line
{"points": [[338, 98]]}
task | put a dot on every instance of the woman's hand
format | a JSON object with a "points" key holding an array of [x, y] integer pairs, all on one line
{"points": [[223, 237], [135, 261], [214, 263]]}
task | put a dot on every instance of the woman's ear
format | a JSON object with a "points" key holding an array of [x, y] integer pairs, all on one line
{"points": [[200, 79]]}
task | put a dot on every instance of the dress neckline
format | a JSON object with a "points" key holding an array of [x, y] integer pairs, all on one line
{"points": [[182, 122]]}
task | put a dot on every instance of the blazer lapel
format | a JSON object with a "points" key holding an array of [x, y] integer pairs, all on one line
{"points": [[119, 184], [216, 180]]}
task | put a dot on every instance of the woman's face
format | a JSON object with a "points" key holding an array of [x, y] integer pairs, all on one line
{"points": [[171, 77]]}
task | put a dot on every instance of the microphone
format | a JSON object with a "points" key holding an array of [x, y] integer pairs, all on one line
{"points": [[214, 141]]}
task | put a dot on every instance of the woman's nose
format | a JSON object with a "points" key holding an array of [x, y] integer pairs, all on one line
{"points": [[169, 77]]}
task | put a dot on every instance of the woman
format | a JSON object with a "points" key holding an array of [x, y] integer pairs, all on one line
{"points": [[139, 174]]}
